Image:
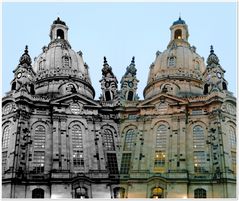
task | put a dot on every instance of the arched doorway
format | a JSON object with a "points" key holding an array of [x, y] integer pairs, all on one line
{"points": [[157, 192], [38, 193]]}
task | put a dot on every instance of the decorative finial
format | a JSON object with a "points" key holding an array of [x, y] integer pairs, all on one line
{"points": [[133, 62], [105, 61], [25, 58], [211, 51], [212, 58], [179, 16], [26, 49]]}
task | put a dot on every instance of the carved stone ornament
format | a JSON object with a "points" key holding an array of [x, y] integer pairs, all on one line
{"points": [[7, 108], [162, 107], [75, 108], [229, 108]]}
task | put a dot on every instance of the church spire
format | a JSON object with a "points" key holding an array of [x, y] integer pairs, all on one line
{"points": [[212, 58], [25, 58], [214, 74], [109, 85], [24, 74], [129, 83]]}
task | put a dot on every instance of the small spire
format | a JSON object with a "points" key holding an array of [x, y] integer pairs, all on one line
{"points": [[212, 58], [211, 49], [26, 49], [105, 61], [179, 16], [132, 61], [25, 58]]}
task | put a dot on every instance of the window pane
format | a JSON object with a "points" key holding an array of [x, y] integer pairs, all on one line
{"points": [[6, 137], [4, 160], [161, 137], [159, 159], [233, 155], [198, 137], [112, 163], [77, 146], [129, 140], [39, 137], [232, 134], [108, 140], [199, 161], [125, 163], [38, 161]]}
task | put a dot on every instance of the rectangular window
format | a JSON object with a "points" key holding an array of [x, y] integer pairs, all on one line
{"points": [[234, 160], [199, 161], [159, 159], [125, 163], [4, 160], [112, 163], [196, 112], [78, 159], [38, 161]]}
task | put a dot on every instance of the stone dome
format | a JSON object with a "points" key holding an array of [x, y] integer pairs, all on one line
{"points": [[179, 21], [179, 66], [59, 64]]}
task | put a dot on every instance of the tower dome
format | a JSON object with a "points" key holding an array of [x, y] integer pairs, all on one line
{"points": [[58, 65], [177, 70]]}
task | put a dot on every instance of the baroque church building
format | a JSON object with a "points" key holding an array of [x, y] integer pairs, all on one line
{"points": [[58, 141]]}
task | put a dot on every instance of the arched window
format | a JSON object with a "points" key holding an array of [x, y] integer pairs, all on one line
{"points": [[119, 192], [178, 34], [129, 140], [32, 90], [39, 149], [6, 137], [157, 192], [77, 146], [224, 86], [197, 65], [199, 154], [200, 193], [38, 193], [161, 137], [41, 65], [14, 86], [81, 192], [108, 140], [60, 34], [171, 61], [205, 91], [198, 137], [160, 147], [130, 95], [107, 96], [39, 137], [66, 61], [232, 135]]}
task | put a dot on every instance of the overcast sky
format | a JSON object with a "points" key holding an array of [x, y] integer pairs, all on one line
{"points": [[119, 31]]}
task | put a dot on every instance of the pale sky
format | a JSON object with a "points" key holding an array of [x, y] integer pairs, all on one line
{"points": [[119, 31]]}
